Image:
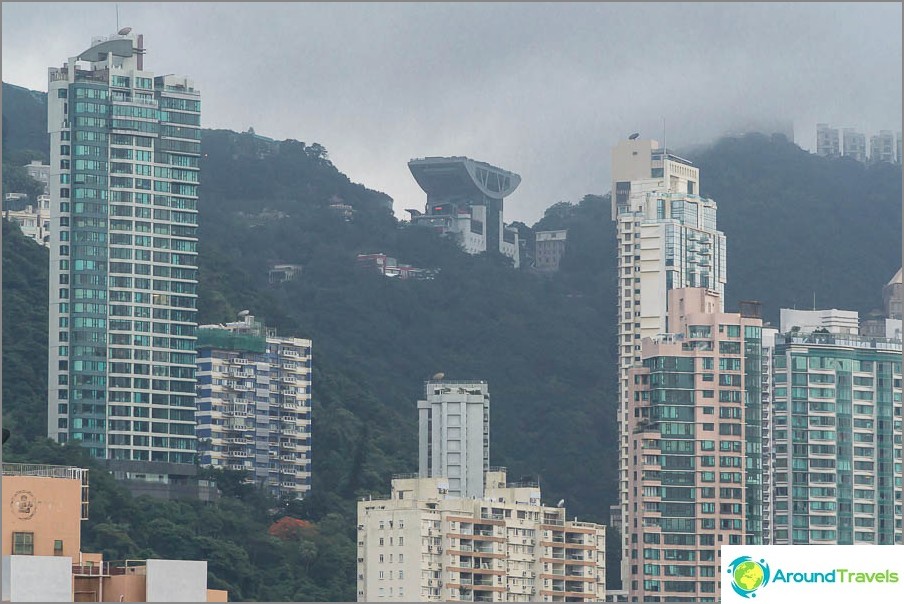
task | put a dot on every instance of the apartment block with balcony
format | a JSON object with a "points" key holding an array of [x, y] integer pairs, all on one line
{"points": [[695, 460], [666, 238], [123, 179], [42, 556], [422, 544], [836, 439], [254, 404]]}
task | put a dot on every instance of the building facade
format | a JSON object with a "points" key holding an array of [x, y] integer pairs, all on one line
{"points": [[549, 249], [768, 349], [833, 320], [454, 434], [836, 439], [34, 220], [666, 239], [42, 556], [465, 200], [854, 144], [695, 420], [424, 545], [893, 297], [254, 405], [827, 141], [882, 147], [123, 178]]}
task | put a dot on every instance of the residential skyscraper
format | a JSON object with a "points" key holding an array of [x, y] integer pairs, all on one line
{"points": [[254, 404], [827, 141], [454, 434], [695, 459], [666, 239], [424, 545], [465, 200], [124, 155], [768, 348], [836, 439], [854, 144]]}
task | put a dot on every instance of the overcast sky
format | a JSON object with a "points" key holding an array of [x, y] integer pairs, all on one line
{"points": [[544, 90]]}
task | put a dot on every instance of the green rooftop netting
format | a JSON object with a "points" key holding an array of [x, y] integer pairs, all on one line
{"points": [[228, 340]]}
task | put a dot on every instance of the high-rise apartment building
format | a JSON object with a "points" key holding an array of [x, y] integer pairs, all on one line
{"points": [[465, 200], [854, 144], [768, 348], [666, 239], [836, 439], [454, 434], [123, 178], [882, 147], [695, 431], [827, 141], [254, 404], [422, 545]]}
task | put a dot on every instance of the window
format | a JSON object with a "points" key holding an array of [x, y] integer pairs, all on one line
{"points": [[57, 547], [23, 544]]}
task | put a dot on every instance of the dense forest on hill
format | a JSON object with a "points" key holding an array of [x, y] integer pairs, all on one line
{"points": [[795, 224]]}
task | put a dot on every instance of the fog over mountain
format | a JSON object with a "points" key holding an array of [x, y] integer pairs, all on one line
{"points": [[541, 89]]}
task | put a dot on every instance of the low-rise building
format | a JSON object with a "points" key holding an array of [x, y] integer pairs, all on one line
{"points": [[549, 249], [421, 544], [34, 220], [42, 557], [390, 267], [280, 273]]}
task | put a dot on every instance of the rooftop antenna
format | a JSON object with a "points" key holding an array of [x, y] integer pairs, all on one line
{"points": [[117, 16]]}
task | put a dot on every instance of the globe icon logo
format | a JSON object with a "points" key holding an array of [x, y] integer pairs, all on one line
{"points": [[748, 575]]}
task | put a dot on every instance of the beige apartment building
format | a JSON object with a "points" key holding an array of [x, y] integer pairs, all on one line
{"points": [[42, 556], [695, 434], [422, 544], [666, 239]]}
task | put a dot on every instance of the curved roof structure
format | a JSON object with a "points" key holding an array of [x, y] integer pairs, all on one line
{"points": [[461, 175]]}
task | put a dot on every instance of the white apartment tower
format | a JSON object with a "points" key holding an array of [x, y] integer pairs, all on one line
{"points": [[423, 545], [827, 141], [882, 147], [667, 239], [854, 144], [123, 180], [454, 434]]}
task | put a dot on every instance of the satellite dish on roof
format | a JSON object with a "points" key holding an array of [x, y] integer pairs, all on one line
{"points": [[124, 31], [244, 313], [634, 136], [438, 376]]}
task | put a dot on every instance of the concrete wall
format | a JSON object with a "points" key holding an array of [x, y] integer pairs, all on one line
{"points": [[37, 578], [130, 587], [176, 581]]}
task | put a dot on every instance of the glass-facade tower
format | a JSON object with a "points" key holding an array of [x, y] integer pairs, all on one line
{"points": [[836, 439], [124, 150]]}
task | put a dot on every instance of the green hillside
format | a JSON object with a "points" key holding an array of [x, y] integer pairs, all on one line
{"points": [[795, 223]]}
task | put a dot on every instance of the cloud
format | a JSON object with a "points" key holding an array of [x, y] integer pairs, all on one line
{"points": [[542, 89]]}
